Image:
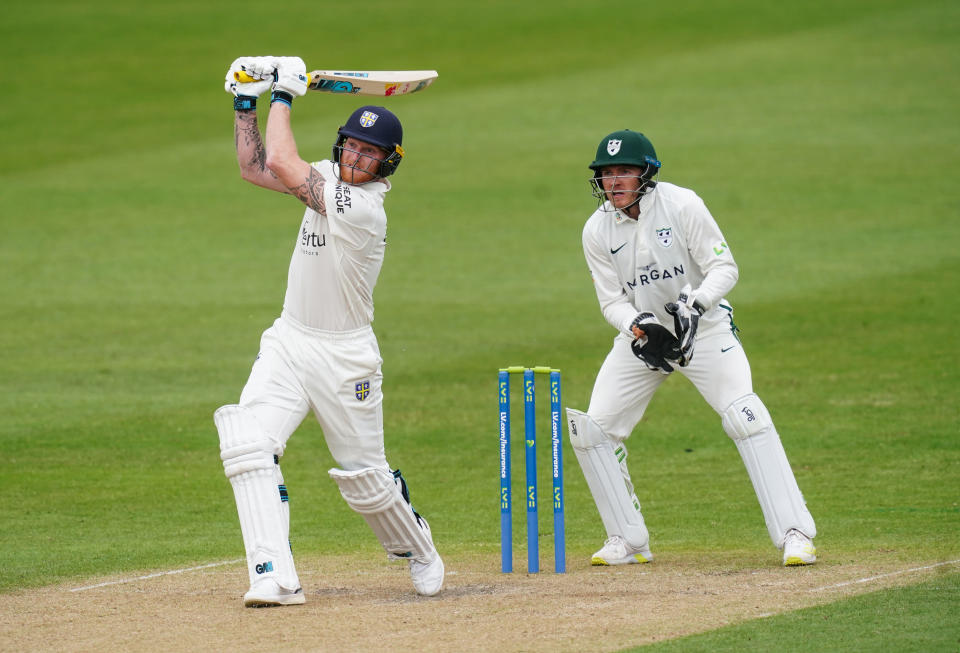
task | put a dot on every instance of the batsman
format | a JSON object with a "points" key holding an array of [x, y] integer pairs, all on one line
{"points": [[321, 354], [661, 269]]}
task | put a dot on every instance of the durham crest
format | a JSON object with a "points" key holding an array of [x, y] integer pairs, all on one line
{"points": [[362, 390]]}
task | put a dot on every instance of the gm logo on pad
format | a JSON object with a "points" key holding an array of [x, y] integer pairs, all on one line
{"points": [[264, 567]]}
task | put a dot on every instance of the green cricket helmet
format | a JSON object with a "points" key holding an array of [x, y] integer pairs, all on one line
{"points": [[625, 148]]}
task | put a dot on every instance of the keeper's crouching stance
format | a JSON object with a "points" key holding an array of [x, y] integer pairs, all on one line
{"points": [[657, 257], [321, 354]]}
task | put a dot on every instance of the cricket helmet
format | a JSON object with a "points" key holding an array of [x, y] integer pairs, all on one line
{"points": [[625, 148], [376, 125]]}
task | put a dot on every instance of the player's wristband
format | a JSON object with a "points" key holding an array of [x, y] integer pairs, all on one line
{"points": [[282, 96], [244, 103]]}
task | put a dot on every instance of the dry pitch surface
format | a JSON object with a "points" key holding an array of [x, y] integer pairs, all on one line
{"points": [[359, 603]]}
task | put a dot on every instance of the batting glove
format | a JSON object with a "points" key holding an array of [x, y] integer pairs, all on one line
{"points": [[686, 316], [264, 68], [248, 89], [653, 343], [291, 76], [245, 93]]}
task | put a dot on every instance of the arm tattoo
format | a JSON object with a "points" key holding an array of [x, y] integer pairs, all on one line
{"points": [[310, 192], [248, 141]]}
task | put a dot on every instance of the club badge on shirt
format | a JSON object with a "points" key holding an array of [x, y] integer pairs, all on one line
{"points": [[665, 237], [362, 390]]}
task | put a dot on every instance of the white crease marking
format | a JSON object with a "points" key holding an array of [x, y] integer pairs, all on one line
{"points": [[156, 575], [892, 573]]}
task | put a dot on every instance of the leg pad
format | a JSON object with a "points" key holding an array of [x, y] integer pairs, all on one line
{"points": [[250, 465], [607, 479], [379, 496], [748, 424]]}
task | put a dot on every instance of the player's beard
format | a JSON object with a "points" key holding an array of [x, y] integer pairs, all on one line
{"points": [[355, 176], [355, 168]]}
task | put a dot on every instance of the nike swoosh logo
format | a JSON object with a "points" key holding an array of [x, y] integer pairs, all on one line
{"points": [[723, 351], [614, 251]]}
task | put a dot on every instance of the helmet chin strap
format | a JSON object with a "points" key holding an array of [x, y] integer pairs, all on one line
{"points": [[648, 185], [640, 193]]}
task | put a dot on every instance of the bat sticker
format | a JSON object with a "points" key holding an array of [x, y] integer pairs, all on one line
{"points": [[335, 86]]}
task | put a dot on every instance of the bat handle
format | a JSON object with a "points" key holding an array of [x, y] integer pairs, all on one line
{"points": [[243, 77]]}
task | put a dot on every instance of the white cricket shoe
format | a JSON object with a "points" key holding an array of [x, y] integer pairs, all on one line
{"points": [[427, 576], [616, 552], [267, 593], [798, 549]]}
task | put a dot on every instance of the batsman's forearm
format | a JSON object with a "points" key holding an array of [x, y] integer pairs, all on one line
{"points": [[251, 155], [282, 154], [301, 179]]}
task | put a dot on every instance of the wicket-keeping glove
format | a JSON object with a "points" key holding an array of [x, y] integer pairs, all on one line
{"points": [[653, 343], [686, 316]]}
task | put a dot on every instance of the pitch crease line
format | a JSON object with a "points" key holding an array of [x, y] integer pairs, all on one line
{"points": [[157, 575], [892, 573]]}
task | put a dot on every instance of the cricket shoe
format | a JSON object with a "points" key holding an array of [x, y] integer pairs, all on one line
{"points": [[266, 593], [616, 552], [427, 576], [798, 549]]}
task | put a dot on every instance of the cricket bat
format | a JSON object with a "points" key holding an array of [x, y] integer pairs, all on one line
{"points": [[364, 82]]}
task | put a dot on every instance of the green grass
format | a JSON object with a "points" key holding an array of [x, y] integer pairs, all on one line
{"points": [[907, 619], [138, 271]]}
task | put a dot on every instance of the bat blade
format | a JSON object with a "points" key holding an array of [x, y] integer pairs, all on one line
{"points": [[381, 83], [371, 82]]}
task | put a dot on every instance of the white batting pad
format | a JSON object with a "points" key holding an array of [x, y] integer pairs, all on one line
{"points": [[609, 483], [748, 424], [249, 465], [375, 493]]}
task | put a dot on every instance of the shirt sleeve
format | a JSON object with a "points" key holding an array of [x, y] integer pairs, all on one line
{"points": [[353, 214], [710, 251], [615, 304]]}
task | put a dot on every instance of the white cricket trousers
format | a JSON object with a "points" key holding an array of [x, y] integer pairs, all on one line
{"points": [[625, 385], [337, 375]]}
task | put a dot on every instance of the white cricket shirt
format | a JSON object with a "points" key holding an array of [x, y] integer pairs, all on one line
{"points": [[640, 265], [337, 257]]}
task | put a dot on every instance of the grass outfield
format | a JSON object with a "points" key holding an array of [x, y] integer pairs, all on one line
{"points": [[894, 620], [138, 271]]}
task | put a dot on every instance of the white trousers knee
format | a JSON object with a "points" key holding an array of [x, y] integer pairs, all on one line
{"points": [[337, 375]]}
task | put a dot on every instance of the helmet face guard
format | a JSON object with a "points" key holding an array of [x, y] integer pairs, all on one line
{"points": [[377, 126], [625, 148], [386, 167], [647, 183]]}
